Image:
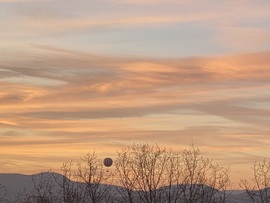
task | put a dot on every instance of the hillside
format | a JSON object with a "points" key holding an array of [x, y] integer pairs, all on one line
{"points": [[19, 187]]}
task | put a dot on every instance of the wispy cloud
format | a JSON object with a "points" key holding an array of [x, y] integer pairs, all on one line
{"points": [[115, 94], [75, 76], [85, 26]]}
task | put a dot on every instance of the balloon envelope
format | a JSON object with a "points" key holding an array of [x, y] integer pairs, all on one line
{"points": [[108, 162]]}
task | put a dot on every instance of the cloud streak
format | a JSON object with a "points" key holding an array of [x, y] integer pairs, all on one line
{"points": [[105, 74], [106, 87]]}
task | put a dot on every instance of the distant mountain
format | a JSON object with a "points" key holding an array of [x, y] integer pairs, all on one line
{"points": [[20, 186], [14, 184]]}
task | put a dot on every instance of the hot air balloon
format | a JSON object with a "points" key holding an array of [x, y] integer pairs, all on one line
{"points": [[108, 162]]}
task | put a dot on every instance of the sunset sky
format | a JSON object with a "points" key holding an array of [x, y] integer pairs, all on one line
{"points": [[103, 74]]}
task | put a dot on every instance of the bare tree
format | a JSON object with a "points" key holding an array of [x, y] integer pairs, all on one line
{"points": [[171, 193], [144, 172], [70, 190], [201, 179], [259, 191], [85, 184], [43, 189], [92, 173], [43, 184], [152, 174]]}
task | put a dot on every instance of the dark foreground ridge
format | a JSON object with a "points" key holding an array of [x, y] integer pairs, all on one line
{"points": [[50, 187]]}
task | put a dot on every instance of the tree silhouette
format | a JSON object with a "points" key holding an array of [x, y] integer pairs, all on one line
{"points": [[259, 189], [152, 174], [201, 179], [70, 189], [91, 171], [143, 174]]}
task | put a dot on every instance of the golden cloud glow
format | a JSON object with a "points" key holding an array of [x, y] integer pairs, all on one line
{"points": [[207, 100], [78, 76]]}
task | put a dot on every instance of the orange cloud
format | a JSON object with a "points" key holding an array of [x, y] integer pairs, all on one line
{"points": [[108, 102]]}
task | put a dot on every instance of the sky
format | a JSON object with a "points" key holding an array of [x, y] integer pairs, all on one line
{"points": [[103, 74]]}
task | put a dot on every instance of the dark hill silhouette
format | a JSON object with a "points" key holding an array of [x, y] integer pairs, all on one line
{"points": [[20, 185]]}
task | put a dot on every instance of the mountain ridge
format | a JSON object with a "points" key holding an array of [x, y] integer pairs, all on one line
{"points": [[17, 184]]}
